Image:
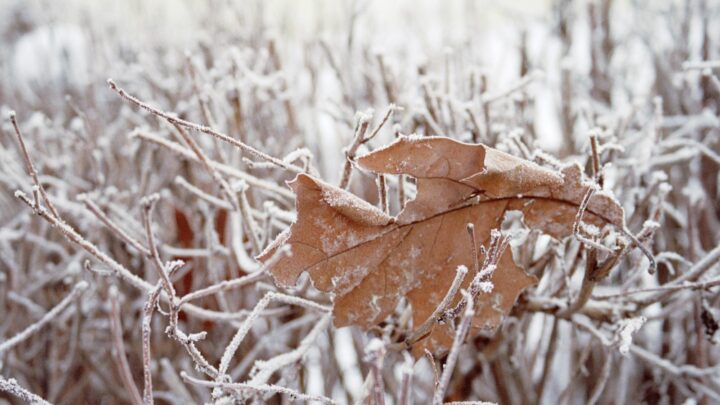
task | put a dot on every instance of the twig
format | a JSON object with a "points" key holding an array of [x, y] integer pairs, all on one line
{"points": [[73, 236], [695, 272], [375, 355], [470, 227], [264, 369], [260, 388], [701, 65], [481, 281], [460, 335], [220, 203], [249, 222], [30, 167], [401, 177], [586, 289], [204, 129], [224, 186], [289, 109], [148, 203], [647, 356], [228, 170], [119, 348], [577, 225], [405, 397], [92, 207], [549, 358], [522, 83], [222, 286], [116, 268], [653, 265], [423, 330], [699, 285], [238, 282], [387, 84], [597, 169], [391, 108], [50, 316], [431, 359], [12, 387], [363, 121], [172, 379], [203, 103], [241, 205], [204, 107], [382, 191], [600, 382], [245, 328], [146, 330]]}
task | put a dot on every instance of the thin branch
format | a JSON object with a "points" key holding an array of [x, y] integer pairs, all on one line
{"points": [[264, 369], [597, 168], [701, 65], [225, 169], [651, 258], [260, 388], [382, 193], [519, 85], [460, 335], [148, 310], [375, 355], [116, 268], [119, 348], [391, 108], [698, 285], [696, 271], [424, 330], [204, 129], [405, 397], [238, 282], [115, 228], [249, 222], [586, 289], [217, 202], [600, 382], [30, 167], [224, 186], [148, 203], [363, 121], [202, 101], [13, 388], [481, 281], [549, 358], [245, 328], [50, 316]]}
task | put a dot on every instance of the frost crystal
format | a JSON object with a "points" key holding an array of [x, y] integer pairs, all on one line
{"points": [[626, 330]]}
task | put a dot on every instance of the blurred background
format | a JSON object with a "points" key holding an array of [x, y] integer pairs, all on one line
{"points": [[55, 48]]}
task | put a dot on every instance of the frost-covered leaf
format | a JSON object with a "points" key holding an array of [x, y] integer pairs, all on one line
{"points": [[370, 260]]}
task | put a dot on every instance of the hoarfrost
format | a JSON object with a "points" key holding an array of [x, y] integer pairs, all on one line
{"points": [[627, 328]]}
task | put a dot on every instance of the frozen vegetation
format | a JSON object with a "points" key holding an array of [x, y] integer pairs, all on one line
{"points": [[146, 150]]}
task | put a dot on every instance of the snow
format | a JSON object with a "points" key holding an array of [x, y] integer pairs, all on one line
{"points": [[625, 333], [374, 345], [348, 279], [486, 287]]}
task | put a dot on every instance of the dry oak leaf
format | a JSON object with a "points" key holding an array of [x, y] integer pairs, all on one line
{"points": [[370, 260]]}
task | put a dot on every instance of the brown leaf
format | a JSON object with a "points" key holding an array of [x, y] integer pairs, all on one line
{"points": [[370, 260]]}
